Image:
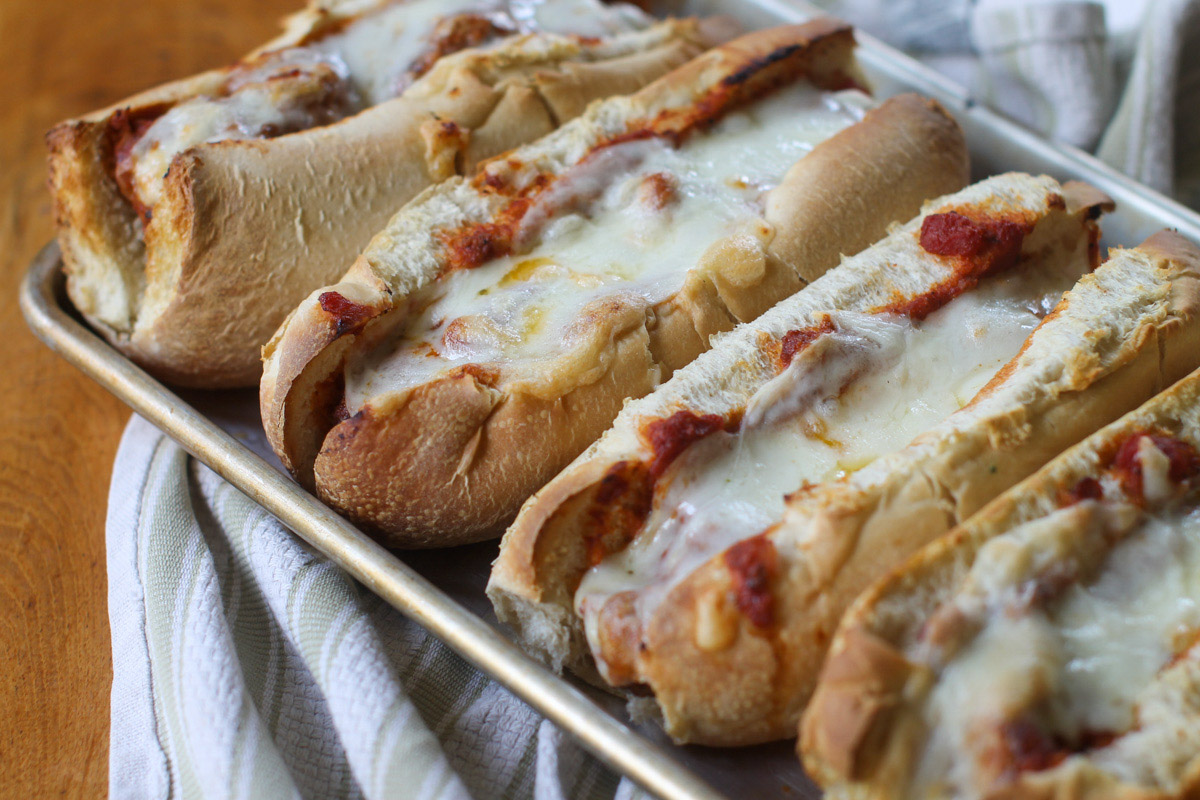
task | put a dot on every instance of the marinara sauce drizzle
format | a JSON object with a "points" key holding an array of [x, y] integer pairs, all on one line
{"points": [[348, 316], [1127, 466], [753, 563], [980, 246]]}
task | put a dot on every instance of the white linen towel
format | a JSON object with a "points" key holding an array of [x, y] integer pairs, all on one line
{"points": [[246, 665], [1119, 77]]}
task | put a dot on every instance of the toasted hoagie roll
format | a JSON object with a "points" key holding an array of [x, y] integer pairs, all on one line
{"points": [[496, 326], [669, 552], [1049, 647], [195, 216]]}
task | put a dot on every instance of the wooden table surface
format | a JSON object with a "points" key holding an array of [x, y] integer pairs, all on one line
{"points": [[59, 431]]}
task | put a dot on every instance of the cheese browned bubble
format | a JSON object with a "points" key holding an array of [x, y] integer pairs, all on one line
{"points": [[627, 223], [1082, 669], [370, 60], [866, 386]]}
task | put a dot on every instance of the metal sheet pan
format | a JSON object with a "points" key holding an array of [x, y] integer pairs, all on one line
{"points": [[443, 591]]}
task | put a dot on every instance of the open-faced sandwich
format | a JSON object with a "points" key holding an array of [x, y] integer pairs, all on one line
{"points": [[193, 217], [701, 553], [497, 324], [1049, 647]]}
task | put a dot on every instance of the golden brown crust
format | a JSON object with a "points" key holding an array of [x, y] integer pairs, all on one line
{"points": [[458, 435], [863, 746], [97, 228], [485, 456], [302, 381], [248, 228]]}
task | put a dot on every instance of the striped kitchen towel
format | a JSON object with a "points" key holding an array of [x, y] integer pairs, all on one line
{"points": [[1118, 77], [246, 665]]}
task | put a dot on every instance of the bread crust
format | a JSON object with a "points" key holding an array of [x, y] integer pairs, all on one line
{"points": [[863, 727], [247, 228], [493, 443]]}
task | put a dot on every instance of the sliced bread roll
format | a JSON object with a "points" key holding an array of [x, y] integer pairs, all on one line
{"points": [[1045, 648]]}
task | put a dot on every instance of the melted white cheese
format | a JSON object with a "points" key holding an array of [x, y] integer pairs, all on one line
{"points": [[1121, 628], [614, 242], [973, 698], [853, 395], [1081, 663], [367, 63]]}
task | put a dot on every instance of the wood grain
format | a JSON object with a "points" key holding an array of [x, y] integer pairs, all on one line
{"points": [[58, 431]]}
